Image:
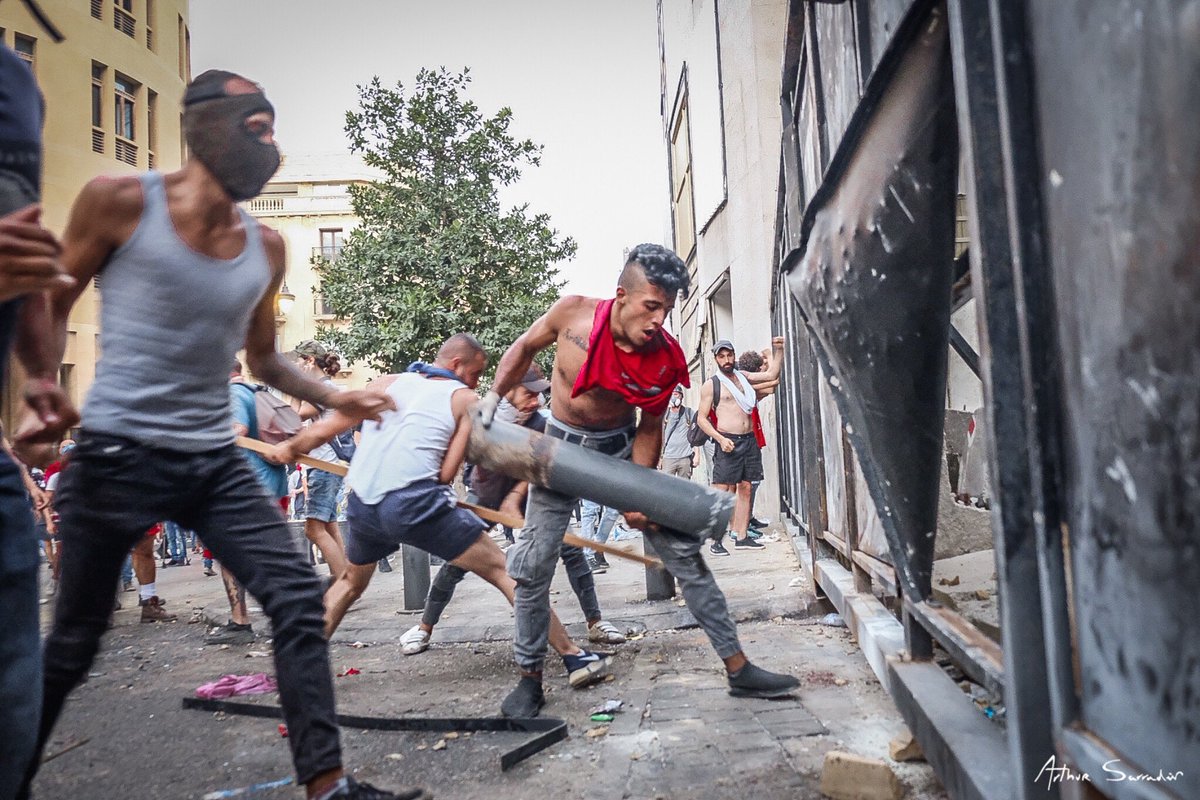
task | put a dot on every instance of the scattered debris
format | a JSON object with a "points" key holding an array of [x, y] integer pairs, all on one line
{"points": [[440, 744], [283, 730], [982, 594], [770, 587], [833, 620], [257, 654], [607, 707], [949, 581], [601, 718], [796, 581], [254, 789], [348, 671], [596, 732], [66, 749], [905, 748], [840, 681], [360, 645], [231, 685], [394, 756], [451, 735]]}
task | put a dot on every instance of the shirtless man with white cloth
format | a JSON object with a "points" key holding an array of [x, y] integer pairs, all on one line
{"points": [[735, 427]]}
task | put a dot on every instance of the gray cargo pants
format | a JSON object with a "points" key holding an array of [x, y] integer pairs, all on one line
{"points": [[532, 560]]}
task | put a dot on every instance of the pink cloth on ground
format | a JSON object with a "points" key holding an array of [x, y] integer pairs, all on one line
{"points": [[231, 685]]}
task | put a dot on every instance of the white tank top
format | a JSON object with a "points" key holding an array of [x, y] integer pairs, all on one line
{"points": [[407, 445]]}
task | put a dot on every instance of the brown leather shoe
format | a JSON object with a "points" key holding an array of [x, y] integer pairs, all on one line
{"points": [[152, 611]]}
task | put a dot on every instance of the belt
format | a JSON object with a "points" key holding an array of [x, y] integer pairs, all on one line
{"points": [[609, 443]]}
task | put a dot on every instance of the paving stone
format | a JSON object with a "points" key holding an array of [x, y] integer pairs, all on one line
{"points": [[790, 722]]}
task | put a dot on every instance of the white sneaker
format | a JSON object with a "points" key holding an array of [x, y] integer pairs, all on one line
{"points": [[415, 640], [605, 632]]}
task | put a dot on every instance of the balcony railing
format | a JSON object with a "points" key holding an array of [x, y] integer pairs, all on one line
{"points": [[329, 252], [266, 204]]}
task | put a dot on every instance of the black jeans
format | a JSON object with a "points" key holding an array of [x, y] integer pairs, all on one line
{"points": [[112, 491]]}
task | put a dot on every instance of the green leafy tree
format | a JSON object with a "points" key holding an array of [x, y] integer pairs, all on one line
{"points": [[435, 254]]}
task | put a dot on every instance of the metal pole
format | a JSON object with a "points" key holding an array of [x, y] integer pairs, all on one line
{"points": [[415, 566], [575, 471]]}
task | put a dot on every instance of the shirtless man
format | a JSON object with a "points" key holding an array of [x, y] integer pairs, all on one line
{"points": [[738, 433], [400, 476], [613, 357], [186, 278]]}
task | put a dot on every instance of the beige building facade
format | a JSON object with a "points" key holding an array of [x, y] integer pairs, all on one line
{"points": [[308, 203], [720, 79], [112, 91]]}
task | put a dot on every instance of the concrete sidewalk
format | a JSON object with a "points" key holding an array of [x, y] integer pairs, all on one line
{"points": [[680, 734]]}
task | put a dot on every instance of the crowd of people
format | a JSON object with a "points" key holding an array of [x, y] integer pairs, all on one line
{"points": [[187, 281]]}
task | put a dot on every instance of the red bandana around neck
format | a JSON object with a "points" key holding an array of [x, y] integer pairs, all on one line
{"points": [[644, 378]]}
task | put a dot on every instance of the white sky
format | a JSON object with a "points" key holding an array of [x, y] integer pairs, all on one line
{"points": [[581, 77]]}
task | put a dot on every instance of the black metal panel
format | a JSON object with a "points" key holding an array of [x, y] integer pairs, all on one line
{"points": [[1008, 271], [1123, 222], [873, 282], [881, 19], [834, 26]]}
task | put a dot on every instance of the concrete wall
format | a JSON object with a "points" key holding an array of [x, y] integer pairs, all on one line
{"points": [[734, 245]]}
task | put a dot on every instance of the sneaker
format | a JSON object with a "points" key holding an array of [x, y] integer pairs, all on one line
{"points": [[414, 641], [758, 523], [128, 587], [753, 534], [601, 560], [747, 544], [208, 572], [595, 566], [353, 790], [231, 634], [717, 549], [152, 611], [385, 565], [605, 632], [586, 668], [752, 681], [526, 700]]}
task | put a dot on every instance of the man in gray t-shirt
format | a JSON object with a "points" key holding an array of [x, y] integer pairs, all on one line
{"points": [[678, 455]]}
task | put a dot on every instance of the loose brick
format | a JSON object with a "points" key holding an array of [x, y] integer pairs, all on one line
{"points": [[905, 748], [846, 776]]}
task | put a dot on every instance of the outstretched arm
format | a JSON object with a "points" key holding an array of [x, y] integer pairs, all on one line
{"points": [[771, 373], [322, 431], [519, 357], [274, 369]]}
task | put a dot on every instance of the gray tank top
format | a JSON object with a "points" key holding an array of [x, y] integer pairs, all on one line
{"points": [[171, 323]]}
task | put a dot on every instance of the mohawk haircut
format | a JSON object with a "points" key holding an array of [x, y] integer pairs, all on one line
{"points": [[660, 266]]}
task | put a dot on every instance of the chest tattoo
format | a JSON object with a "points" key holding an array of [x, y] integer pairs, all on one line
{"points": [[576, 339]]}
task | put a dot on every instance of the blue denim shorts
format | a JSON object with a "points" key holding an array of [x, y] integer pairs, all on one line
{"points": [[421, 514], [323, 490]]}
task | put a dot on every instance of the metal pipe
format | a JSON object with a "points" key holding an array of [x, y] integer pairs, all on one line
{"points": [[415, 564], [671, 502]]}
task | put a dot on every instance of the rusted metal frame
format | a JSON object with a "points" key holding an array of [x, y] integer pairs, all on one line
{"points": [[998, 224], [862, 579], [967, 750], [882, 573], [974, 653]]}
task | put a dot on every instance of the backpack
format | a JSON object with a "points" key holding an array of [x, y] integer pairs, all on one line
{"points": [[343, 444], [275, 419], [695, 434]]}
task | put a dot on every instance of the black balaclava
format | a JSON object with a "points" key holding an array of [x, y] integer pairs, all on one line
{"points": [[215, 126]]}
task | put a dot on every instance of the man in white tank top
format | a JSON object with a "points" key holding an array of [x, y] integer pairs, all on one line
{"points": [[400, 480], [186, 278]]}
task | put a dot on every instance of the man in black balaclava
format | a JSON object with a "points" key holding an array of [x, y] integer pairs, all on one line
{"points": [[224, 132], [28, 266], [187, 271]]}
